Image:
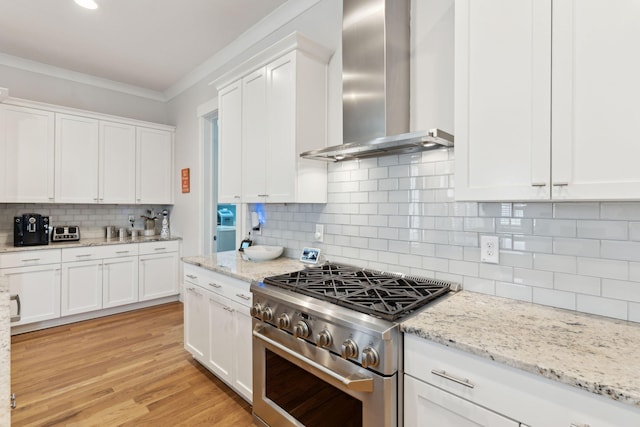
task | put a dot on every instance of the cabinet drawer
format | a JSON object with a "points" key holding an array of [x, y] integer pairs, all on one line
{"points": [[229, 287], [29, 258], [117, 251], [84, 253], [159, 247], [531, 399]]}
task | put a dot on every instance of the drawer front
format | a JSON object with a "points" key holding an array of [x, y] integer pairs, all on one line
{"points": [[84, 253], [529, 398], [159, 247], [229, 287], [29, 258], [117, 251], [194, 275]]}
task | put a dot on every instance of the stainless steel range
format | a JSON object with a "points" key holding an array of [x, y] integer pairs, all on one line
{"points": [[327, 346]]}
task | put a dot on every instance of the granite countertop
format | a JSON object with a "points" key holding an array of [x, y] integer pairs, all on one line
{"points": [[594, 353], [91, 241], [232, 264]]}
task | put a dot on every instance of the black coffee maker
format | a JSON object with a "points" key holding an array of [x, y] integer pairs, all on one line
{"points": [[30, 230]]}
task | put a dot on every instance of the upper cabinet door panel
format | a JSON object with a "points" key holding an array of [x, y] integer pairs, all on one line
{"points": [[117, 163], [26, 155], [76, 159], [595, 99], [254, 136], [230, 143], [154, 172], [502, 99]]}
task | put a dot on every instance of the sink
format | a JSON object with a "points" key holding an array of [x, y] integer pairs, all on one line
{"points": [[263, 252]]}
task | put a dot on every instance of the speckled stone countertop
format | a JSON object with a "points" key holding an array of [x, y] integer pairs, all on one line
{"points": [[232, 264], [5, 352], [97, 241], [594, 353]]}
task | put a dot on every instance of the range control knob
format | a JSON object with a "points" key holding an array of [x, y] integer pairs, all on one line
{"points": [[301, 329], [267, 314], [349, 349], [256, 310], [324, 338], [283, 321], [370, 358]]}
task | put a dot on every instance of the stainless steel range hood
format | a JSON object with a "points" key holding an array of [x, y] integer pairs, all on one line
{"points": [[375, 85]]}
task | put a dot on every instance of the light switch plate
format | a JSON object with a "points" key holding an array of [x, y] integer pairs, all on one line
{"points": [[489, 249], [319, 234]]}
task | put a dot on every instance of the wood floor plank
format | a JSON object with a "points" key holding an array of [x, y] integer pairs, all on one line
{"points": [[128, 369]]}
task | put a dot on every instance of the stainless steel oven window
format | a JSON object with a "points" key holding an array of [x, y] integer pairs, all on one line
{"points": [[307, 398]]}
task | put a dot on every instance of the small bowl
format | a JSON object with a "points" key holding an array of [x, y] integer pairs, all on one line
{"points": [[263, 252]]}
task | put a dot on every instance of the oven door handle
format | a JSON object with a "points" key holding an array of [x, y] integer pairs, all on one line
{"points": [[355, 384]]}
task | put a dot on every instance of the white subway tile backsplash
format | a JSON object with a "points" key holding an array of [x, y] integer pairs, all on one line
{"points": [[620, 210], [399, 246], [516, 259], [388, 233], [475, 284], [390, 184], [435, 264], [359, 242], [399, 221], [436, 209], [620, 289], [379, 173], [579, 247], [378, 244], [399, 171], [602, 306], [634, 312], [559, 263], [611, 230], [496, 272], [379, 197], [532, 243], [613, 249], [482, 225], [604, 268], [464, 268], [634, 231], [514, 225], [463, 238], [536, 278], [576, 284], [436, 155], [554, 227], [388, 160], [371, 185], [422, 249], [469, 209], [368, 208], [553, 298], [517, 292], [532, 210], [496, 210], [449, 252], [360, 197], [448, 223], [582, 210], [359, 175], [388, 208]]}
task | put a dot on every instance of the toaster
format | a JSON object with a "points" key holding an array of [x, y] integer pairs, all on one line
{"points": [[65, 233]]}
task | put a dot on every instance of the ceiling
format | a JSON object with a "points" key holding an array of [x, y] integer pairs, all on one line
{"points": [[150, 44]]}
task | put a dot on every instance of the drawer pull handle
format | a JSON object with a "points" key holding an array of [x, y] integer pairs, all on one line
{"points": [[83, 255], [560, 184], [122, 252], [18, 315], [191, 276], [229, 309], [215, 285], [243, 296], [31, 260], [538, 184], [160, 249], [465, 382], [578, 425]]}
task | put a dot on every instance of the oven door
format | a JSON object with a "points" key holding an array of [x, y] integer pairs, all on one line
{"points": [[298, 384]]}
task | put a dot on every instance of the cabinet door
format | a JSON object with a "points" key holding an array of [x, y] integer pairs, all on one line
{"points": [[243, 364], [117, 174], [76, 159], [281, 155], [221, 337], [502, 99], [154, 171], [428, 406], [254, 137], [81, 287], [26, 155], [595, 101], [230, 143], [196, 322], [119, 281], [39, 291], [158, 276]]}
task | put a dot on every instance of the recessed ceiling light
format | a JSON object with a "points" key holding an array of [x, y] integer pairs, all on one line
{"points": [[88, 4]]}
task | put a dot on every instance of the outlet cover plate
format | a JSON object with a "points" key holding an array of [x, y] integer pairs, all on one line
{"points": [[490, 249]]}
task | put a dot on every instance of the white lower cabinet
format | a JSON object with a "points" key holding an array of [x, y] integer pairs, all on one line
{"points": [[218, 326], [81, 287], [448, 387], [119, 281], [158, 270], [38, 288]]}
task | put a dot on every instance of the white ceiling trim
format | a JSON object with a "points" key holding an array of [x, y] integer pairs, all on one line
{"points": [[74, 76], [272, 22]]}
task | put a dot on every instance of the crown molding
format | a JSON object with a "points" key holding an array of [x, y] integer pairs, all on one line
{"points": [[74, 76]]}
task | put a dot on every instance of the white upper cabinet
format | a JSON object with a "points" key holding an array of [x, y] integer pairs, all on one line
{"points": [[283, 113], [26, 155], [545, 103], [230, 143], [154, 171], [76, 159], [254, 137], [117, 172]]}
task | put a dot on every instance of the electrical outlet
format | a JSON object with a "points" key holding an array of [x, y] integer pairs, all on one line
{"points": [[319, 234], [489, 249]]}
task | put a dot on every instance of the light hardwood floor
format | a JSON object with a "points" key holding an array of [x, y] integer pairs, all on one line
{"points": [[128, 369]]}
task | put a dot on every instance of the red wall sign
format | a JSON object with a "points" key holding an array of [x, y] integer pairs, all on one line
{"points": [[186, 182]]}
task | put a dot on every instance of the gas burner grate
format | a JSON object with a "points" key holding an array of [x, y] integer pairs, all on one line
{"points": [[385, 295]]}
